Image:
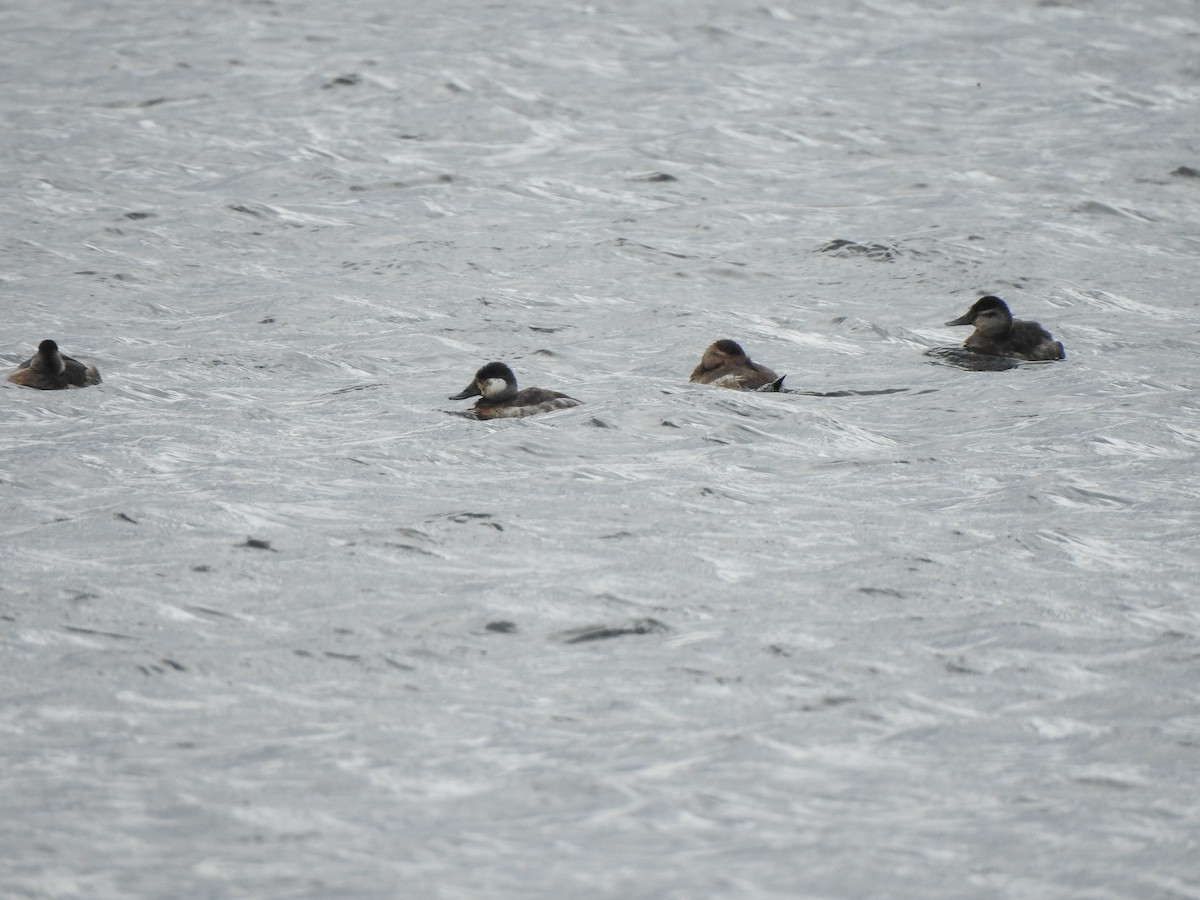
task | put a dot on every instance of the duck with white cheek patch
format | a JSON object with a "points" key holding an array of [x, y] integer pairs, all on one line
{"points": [[496, 387]]}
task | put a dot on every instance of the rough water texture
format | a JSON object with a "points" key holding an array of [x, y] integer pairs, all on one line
{"points": [[276, 624]]}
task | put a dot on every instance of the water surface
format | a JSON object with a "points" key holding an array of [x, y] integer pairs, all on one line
{"points": [[277, 623]]}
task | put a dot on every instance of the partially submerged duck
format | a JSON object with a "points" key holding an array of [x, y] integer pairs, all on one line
{"points": [[726, 364], [496, 387], [50, 370], [997, 333]]}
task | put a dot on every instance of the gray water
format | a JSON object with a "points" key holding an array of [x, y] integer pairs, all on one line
{"points": [[277, 623]]}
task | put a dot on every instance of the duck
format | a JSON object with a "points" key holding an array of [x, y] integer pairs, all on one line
{"points": [[726, 365], [997, 333], [496, 387], [51, 370]]}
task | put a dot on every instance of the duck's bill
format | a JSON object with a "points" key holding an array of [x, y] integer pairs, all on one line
{"points": [[471, 390], [964, 319]]}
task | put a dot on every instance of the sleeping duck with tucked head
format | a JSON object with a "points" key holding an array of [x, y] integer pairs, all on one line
{"points": [[726, 365], [50, 370], [997, 333], [496, 387]]}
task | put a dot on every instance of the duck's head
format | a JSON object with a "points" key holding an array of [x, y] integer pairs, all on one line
{"points": [[495, 381], [986, 314], [48, 359], [723, 353]]}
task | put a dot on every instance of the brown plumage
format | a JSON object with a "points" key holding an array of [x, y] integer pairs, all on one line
{"points": [[725, 364], [496, 387], [997, 333], [50, 370]]}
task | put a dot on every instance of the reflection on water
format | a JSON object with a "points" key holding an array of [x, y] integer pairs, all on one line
{"points": [[968, 359]]}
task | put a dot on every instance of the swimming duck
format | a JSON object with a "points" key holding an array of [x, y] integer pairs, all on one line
{"points": [[496, 387], [726, 364], [997, 333], [49, 370]]}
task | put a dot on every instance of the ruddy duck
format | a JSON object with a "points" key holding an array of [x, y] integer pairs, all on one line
{"points": [[496, 387], [49, 370], [726, 364], [997, 333]]}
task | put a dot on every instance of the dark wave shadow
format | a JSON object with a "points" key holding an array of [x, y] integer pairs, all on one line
{"points": [[970, 360], [846, 393], [587, 633]]}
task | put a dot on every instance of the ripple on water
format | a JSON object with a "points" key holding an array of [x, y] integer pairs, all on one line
{"points": [[947, 615]]}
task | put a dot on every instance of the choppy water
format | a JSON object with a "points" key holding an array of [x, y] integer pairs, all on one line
{"points": [[933, 634]]}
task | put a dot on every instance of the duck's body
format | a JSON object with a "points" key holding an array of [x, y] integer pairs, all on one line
{"points": [[725, 364], [496, 387], [997, 333], [50, 370]]}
